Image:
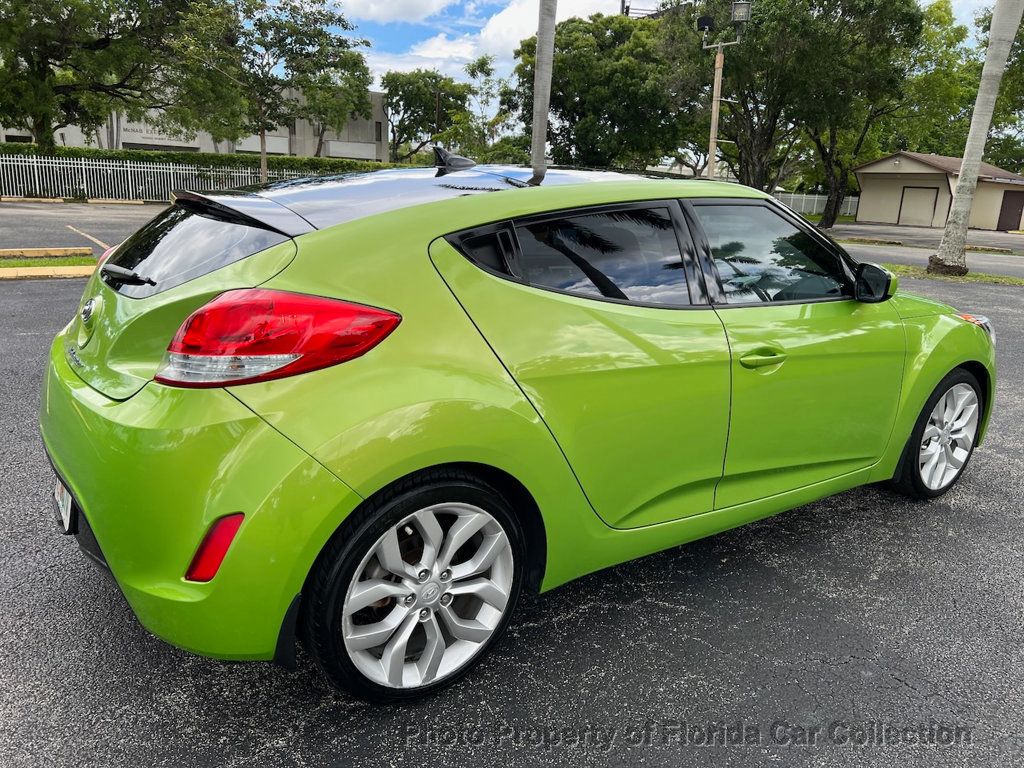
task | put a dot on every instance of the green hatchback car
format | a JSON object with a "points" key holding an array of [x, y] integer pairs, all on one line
{"points": [[366, 412]]}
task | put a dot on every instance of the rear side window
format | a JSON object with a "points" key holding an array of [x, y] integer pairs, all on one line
{"points": [[630, 254], [763, 258], [180, 245]]}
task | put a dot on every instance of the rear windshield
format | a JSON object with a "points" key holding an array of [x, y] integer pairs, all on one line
{"points": [[180, 245]]}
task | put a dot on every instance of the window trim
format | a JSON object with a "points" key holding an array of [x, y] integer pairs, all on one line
{"points": [[696, 283], [707, 261]]}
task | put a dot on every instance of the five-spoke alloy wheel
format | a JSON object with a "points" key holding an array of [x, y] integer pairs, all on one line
{"points": [[410, 593]]}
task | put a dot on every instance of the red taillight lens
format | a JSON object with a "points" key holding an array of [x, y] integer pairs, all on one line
{"points": [[257, 334], [214, 546]]}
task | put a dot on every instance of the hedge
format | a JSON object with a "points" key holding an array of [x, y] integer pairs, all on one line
{"points": [[205, 159]]}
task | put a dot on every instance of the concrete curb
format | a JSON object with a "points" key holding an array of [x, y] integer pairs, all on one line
{"points": [[43, 253], [869, 241], [38, 273], [989, 249], [113, 201], [31, 200]]}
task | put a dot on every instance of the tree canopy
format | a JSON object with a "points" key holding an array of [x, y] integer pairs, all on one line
{"points": [[419, 106], [70, 62]]}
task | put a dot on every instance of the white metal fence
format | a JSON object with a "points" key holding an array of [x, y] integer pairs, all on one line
{"points": [[816, 203], [71, 177], [35, 176]]}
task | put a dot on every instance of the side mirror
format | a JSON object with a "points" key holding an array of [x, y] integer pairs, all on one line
{"points": [[874, 284]]}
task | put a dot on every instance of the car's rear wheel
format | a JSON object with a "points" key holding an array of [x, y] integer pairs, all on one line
{"points": [[413, 590], [942, 442]]}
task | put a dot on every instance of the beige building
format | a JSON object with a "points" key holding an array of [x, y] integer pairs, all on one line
{"points": [[914, 188], [360, 139]]}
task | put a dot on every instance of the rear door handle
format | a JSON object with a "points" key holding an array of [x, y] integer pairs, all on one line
{"points": [[762, 358]]}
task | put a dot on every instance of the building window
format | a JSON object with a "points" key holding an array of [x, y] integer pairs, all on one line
{"points": [[379, 131]]}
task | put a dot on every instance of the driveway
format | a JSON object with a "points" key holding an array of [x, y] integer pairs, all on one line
{"points": [[858, 612], [926, 237]]}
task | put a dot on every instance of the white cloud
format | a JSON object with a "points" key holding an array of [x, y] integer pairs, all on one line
{"points": [[518, 20], [395, 10], [448, 55], [499, 36]]}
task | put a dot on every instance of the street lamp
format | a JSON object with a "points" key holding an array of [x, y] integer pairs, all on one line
{"points": [[740, 11]]}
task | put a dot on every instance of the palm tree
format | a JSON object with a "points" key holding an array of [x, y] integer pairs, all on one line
{"points": [[542, 86], [951, 259]]}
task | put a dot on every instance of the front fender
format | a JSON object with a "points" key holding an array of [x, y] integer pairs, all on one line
{"points": [[936, 344]]}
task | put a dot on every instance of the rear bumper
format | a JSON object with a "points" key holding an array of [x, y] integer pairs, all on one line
{"points": [[151, 474]]}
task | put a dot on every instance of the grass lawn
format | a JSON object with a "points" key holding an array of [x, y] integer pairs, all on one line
{"points": [[903, 270], [58, 261], [814, 218]]}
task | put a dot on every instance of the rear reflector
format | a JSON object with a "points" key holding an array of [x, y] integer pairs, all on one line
{"points": [[256, 334], [214, 546]]}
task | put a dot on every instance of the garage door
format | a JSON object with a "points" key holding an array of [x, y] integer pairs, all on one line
{"points": [[918, 206]]}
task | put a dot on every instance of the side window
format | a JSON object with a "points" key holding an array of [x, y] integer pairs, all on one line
{"points": [[629, 254], [761, 257]]}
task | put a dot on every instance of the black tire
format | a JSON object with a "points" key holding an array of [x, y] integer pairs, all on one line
{"points": [[907, 479], [328, 582]]}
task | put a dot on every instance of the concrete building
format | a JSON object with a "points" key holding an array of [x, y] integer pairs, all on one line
{"points": [[914, 188], [361, 139]]}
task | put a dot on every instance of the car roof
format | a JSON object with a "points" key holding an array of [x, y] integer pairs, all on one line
{"points": [[296, 206], [330, 200]]}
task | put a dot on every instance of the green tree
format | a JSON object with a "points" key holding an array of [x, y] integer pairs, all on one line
{"points": [[70, 62], [610, 97], [935, 110], [420, 105], [334, 98], [270, 52], [863, 48]]}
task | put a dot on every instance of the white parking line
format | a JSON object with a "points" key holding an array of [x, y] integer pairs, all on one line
{"points": [[87, 236]]}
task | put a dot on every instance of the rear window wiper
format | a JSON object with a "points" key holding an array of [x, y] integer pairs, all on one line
{"points": [[123, 275]]}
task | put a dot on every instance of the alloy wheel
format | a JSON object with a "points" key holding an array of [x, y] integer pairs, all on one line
{"points": [[948, 436], [428, 595]]}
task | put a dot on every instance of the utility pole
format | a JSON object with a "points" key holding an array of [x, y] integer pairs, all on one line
{"points": [[716, 100], [706, 24]]}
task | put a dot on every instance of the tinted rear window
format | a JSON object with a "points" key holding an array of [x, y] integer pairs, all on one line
{"points": [[180, 245]]}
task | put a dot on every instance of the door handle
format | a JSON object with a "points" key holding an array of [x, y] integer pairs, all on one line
{"points": [[762, 358]]}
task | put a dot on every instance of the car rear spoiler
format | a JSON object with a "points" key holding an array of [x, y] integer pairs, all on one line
{"points": [[244, 208]]}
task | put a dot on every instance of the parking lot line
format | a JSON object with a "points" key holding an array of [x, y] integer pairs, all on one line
{"points": [[87, 236]]}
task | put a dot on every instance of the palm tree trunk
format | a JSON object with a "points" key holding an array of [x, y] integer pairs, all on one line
{"points": [[951, 258], [542, 87]]}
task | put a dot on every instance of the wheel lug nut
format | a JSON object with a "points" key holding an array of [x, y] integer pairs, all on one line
{"points": [[446, 599], [446, 574], [410, 599], [424, 614], [424, 575]]}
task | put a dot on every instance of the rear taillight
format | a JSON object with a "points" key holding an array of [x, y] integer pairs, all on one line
{"points": [[256, 334]]}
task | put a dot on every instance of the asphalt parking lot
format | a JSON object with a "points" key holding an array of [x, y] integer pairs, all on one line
{"points": [[66, 225], [856, 609]]}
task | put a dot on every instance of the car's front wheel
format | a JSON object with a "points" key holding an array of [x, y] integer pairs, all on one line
{"points": [[413, 589], [942, 442]]}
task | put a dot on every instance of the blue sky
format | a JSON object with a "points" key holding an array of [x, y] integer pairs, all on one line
{"points": [[446, 34]]}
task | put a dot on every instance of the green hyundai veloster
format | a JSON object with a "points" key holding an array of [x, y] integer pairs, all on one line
{"points": [[366, 412]]}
